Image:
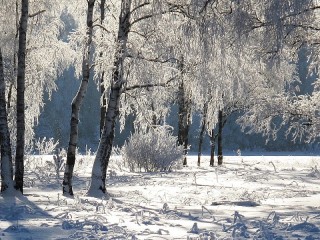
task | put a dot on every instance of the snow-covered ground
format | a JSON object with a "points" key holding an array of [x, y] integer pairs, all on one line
{"points": [[256, 197]]}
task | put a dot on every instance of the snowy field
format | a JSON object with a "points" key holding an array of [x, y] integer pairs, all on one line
{"points": [[256, 197]]}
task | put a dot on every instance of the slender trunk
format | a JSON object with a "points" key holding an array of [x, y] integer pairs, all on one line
{"points": [[76, 105], [220, 122], [5, 144], [99, 170], [202, 130], [102, 88], [19, 161], [14, 73], [155, 121], [184, 116], [103, 103], [212, 147], [9, 96]]}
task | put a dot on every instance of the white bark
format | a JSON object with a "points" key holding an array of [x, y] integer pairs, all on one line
{"points": [[99, 171], [76, 104]]}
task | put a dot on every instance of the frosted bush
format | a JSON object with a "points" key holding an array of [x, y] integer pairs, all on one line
{"points": [[155, 150], [46, 146]]}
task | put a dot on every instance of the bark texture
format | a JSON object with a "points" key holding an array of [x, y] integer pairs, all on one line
{"points": [[5, 144], [76, 104], [184, 117], [21, 72], [202, 130], [102, 88], [212, 147], [220, 154], [99, 170]]}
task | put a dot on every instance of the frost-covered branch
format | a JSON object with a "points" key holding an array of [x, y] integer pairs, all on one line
{"points": [[101, 26], [139, 6], [150, 85], [145, 17], [36, 13], [155, 60]]}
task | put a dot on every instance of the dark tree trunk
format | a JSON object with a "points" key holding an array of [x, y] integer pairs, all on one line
{"points": [[99, 170], [102, 88], [76, 104], [19, 161], [212, 147], [9, 96], [202, 130], [154, 116], [5, 144], [220, 122], [103, 103], [184, 116]]}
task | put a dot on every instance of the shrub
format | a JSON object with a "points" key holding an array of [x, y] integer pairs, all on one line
{"points": [[155, 150]]}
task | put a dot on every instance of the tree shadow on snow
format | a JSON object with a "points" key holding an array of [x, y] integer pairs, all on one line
{"points": [[21, 218]]}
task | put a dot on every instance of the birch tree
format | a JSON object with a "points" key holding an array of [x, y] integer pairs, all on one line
{"points": [[33, 36], [77, 102], [131, 14], [21, 72], [5, 143], [99, 170], [290, 28]]}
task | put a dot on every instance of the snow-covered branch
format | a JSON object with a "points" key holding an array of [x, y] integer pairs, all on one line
{"points": [[150, 85], [36, 13]]}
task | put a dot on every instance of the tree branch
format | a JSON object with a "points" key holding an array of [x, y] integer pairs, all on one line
{"points": [[302, 26], [149, 85], [301, 12], [141, 18], [156, 60], [99, 25], [140, 6], [36, 13]]}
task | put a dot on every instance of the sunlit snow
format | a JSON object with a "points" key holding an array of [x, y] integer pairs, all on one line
{"points": [[256, 197]]}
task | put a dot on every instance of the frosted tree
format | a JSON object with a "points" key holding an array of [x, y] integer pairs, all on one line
{"points": [[21, 79], [5, 143], [131, 14], [77, 101], [98, 177], [269, 32], [102, 75], [33, 55], [286, 27]]}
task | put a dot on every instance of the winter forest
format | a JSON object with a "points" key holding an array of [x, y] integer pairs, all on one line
{"points": [[116, 117]]}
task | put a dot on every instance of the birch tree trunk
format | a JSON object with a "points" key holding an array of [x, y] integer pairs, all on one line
{"points": [[184, 120], [220, 122], [5, 144], [212, 147], [184, 114], [202, 130], [19, 161], [76, 104], [99, 170], [102, 88]]}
